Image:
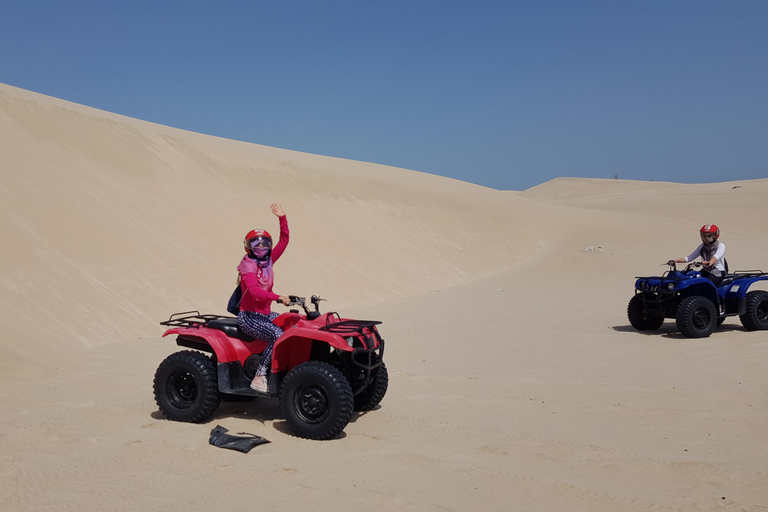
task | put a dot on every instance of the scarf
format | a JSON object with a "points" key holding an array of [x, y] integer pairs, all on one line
{"points": [[261, 267], [706, 254], [707, 251]]}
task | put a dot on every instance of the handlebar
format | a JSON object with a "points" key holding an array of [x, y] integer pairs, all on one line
{"points": [[673, 265], [295, 300]]}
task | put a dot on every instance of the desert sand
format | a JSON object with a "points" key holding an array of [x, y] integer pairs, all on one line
{"points": [[516, 381]]}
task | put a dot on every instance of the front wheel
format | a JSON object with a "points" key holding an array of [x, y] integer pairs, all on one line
{"points": [[316, 400], [756, 316], [639, 319], [372, 395], [186, 387], [696, 317]]}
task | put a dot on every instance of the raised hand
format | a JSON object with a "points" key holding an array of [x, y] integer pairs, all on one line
{"points": [[277, 210]]}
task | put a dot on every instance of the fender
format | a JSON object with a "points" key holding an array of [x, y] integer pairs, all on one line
{"points": [[287, 320], [740, 287], [227, 349], [293, 347], [698, 286]]}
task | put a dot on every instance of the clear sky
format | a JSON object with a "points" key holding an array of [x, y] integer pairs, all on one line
{"points": [[501, 93]]}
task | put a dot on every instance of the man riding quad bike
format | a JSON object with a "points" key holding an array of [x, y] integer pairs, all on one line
{"points": [[323, 367], [696, 304]]}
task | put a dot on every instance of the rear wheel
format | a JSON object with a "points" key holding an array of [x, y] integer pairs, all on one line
{"points": [[639, 319], [696, 317], [316, 400], [186, 387], [372, 395], [756, 316]]}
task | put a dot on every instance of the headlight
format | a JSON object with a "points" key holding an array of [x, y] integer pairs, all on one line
{"points": [[350, 340], [670, 286]]}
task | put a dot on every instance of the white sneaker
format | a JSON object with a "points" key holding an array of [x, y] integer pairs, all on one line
{"points": [[259, 383]]}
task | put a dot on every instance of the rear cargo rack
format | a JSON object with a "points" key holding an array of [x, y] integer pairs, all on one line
{"points": [[193, 319]]}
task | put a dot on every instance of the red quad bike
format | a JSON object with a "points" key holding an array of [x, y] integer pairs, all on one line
{"points": [[324, 367]]}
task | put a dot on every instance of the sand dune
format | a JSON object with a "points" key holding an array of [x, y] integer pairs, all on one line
{"points": [[115, 222], [516, 381]]}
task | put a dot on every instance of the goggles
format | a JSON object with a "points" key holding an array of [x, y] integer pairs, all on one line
{"points": [[260, 242]]}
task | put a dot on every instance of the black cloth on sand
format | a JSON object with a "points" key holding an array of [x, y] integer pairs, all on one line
{"points": [[242, 443]]}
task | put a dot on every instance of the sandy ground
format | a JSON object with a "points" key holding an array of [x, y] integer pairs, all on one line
{"points": [[516, 382]]}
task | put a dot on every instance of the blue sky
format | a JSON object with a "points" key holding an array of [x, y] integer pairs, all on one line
{"points": [[500, 93]]}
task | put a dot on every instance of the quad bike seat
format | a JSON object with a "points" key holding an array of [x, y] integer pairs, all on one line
{"points": [[230, 328]]}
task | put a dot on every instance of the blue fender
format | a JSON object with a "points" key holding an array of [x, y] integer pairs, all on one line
{"points": [[738, 288], [698, 286]]}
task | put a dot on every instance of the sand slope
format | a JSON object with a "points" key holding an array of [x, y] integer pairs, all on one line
{"points": [[516, 382], [112, 224]]}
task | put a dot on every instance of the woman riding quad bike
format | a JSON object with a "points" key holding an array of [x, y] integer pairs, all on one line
{"points": [[323, 368]]}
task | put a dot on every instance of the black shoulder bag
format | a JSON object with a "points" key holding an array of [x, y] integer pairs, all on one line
{"points": [[233, 306]]}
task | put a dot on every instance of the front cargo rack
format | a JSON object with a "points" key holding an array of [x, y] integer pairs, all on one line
{"points": [[347, 327]]}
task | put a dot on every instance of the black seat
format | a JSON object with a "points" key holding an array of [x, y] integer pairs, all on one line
{"points": [[230, 328], [728, 280]]}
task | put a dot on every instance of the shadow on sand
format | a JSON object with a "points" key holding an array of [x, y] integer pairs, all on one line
{"points": [[669, 330], [261, 410]]}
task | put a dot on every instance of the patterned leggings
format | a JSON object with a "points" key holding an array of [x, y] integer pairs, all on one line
{"points": [[260, 326]]}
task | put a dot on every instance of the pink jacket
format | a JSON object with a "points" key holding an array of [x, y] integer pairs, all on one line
{"points": [[254, 297]]}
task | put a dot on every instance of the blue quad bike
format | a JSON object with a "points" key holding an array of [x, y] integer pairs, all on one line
{"points": [[696, 304]]}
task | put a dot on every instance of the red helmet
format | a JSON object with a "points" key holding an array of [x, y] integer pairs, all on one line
{"points": [[709, 233], [254, 235]]}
